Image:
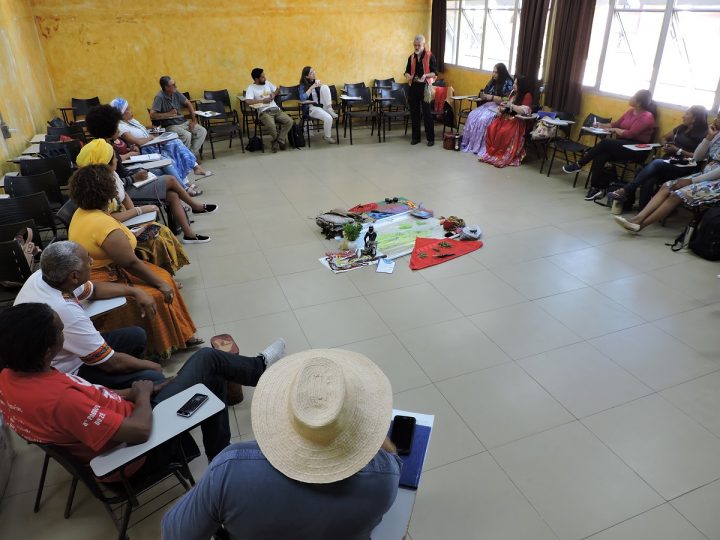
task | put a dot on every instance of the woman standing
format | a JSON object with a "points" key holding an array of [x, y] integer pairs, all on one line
{"points": [[497, 89], [505, 138], [637, 125], [310, 89]]}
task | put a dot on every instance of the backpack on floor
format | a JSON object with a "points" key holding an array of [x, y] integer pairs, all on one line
{"points": [[295, 136], [254, 144], [706, 240]]}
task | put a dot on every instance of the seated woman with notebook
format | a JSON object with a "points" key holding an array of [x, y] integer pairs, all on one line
{"points": [[163, 189], [678, 145], [479, 119], [135, 134], [637, 125], [111, 246], [701, 188], [505, 138]]}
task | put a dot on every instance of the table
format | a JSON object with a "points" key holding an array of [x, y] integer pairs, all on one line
{"points": [[139, 220], [641, 147], [40, 137], [557, 122], [166, 425], [158, 164], [93, 308], [31, 150]]}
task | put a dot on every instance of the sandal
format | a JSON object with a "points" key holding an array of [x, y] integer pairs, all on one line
{"points": [[613, 196], [207, 209], [193, 190], [194, 342], [205, 174]]}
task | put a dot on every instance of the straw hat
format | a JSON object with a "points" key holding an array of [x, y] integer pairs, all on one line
{"points": [[321, 415]]}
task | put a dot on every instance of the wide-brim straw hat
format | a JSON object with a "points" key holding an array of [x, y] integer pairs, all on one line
{"points": [[321, 415]]}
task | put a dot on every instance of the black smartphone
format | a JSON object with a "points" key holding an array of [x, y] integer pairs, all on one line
{"points": [[402, 434], [192, 405]]}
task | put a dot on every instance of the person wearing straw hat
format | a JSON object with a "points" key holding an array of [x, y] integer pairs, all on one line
{"points": [[322, 466]]}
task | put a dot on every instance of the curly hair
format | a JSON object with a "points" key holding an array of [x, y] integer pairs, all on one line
{"points": [[27, 333], [92, 187], [102, 121]]}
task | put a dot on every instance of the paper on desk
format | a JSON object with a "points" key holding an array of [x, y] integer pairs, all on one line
{"points": [[207, 114], [385, 266], [165, 137], [143, 158]]}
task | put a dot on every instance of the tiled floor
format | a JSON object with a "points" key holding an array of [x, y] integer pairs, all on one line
{"points": [[574, 370]]}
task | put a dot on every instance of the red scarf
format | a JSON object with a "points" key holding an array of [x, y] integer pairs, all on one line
{"points": [[426, 66]]}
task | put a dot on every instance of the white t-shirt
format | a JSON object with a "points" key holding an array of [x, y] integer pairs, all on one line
{"points": [[83, 343], [261, 91], [134, 128]]}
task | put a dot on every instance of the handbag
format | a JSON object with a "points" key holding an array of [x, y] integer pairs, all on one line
{"points": [[449, 141], [543, 131]]}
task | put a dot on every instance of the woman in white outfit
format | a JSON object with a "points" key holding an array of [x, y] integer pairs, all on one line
{"points": [[311, 90]]}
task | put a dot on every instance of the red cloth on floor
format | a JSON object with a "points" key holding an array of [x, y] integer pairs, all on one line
{"points": [[425, 245], [362, 208]]}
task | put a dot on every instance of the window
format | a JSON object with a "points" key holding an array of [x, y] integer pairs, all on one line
{"points": [[482, 33], [661, 45]]}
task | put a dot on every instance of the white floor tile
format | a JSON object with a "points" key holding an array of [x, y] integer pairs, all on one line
{"points": [[477, 292], [701, 508], [669, 450], [576, 484], [661, 523], [538, 278]]}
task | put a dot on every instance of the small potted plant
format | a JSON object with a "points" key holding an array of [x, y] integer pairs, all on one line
{"points": [[351, 231]]}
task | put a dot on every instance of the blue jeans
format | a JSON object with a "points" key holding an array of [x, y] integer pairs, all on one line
{"points": [[653, 175], [130, 340], [214, 369]]}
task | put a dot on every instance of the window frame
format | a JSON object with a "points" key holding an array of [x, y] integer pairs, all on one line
{"points": [[668, 13], [486, 9]]}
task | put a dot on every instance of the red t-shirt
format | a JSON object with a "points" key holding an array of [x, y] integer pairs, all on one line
{"points": [[62, 409]]}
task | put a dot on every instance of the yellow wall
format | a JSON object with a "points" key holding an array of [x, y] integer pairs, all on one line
{"points": [[470, 81], [97, 47], [27, 99]]}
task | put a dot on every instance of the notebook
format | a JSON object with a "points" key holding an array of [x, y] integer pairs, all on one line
{"points": [[141, 183], [413, 463]]}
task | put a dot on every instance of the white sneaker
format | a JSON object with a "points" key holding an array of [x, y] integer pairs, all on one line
{"points": [[329, 140], [273, 352]]}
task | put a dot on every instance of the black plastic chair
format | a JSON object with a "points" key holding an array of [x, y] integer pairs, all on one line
{"points": [[60, 165], [66, 213], [35, 206], [588, 122], [361, 109], [73, 131], [70, 149], [81, 106], [286, 96], [9, 231], [14, 269], [220, 96], [384, 83], [222, 127], [563, 143], [397, 109], [20, 186], [122, 496]]}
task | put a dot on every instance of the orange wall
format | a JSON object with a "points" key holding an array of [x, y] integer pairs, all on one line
{"points": [[110, 49], [27, 97]]}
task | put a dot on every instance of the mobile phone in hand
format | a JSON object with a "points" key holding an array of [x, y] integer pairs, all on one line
{"points": [[192, 405], [402, 434]]}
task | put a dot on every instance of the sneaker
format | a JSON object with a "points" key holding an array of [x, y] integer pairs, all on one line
{"points": [[594, 194], [431, 143], [329, 140], [274, 148], [414, 142], [208, 209], [273, 352], [199, 239], [571, 168]]}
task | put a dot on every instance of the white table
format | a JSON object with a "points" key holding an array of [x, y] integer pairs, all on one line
{"points": [[641, 147], [31, 150], [157, 164], [166, 425], [93, 308], [396, 521], [40, 137], [596, 131], [139, 220], [557, 121]]}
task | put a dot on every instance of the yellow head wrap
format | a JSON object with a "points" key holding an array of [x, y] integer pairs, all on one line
{"points": [[96, 152]]}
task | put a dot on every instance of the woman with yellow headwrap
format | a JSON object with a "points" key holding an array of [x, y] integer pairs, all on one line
{"points": [[112, 248], [156, 243]]}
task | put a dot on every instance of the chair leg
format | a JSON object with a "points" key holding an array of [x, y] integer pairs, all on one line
{"points": [[552, 160], [350, 121], [122, 529], [71, 496], [212, 147], [41, 484]]}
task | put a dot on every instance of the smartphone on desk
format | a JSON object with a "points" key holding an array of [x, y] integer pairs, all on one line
{"points": [[402, 434], [192, 405]]}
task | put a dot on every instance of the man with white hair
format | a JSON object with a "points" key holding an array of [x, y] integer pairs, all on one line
{"points": [[420, 74], [113, 359], [322, 466]]}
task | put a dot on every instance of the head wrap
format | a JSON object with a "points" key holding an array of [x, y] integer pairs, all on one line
{"points": [[120, 104], [96, 152]]}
